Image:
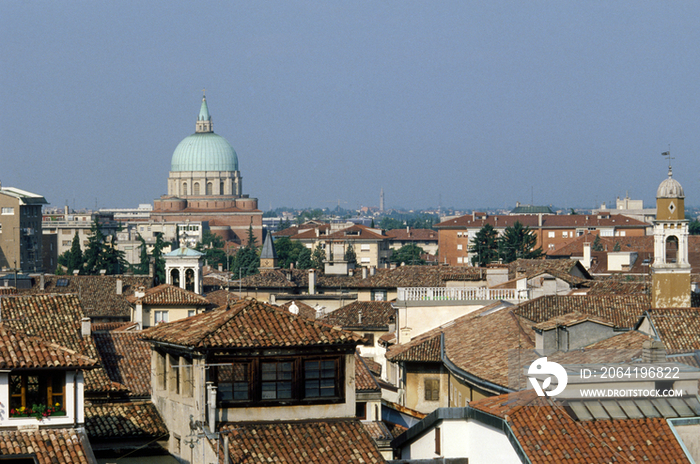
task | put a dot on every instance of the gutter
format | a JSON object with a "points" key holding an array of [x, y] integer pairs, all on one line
{"points": [[172, 345], [477, 381]]}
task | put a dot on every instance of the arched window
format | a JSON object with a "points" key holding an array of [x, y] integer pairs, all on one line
{"points": [[221, 188], [210, 188], [175, 277], [671, 249], [195, 189], [184, 188], [189, 280]]}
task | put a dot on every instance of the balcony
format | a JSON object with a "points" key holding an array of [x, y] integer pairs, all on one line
{"points": [[448, 294]]}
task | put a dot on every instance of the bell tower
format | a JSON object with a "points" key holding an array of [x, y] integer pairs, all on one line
{"points": [[670, 270]]}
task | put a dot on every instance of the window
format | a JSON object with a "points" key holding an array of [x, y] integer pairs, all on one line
{"points": [[288, 381], [319, 379], [276, 380], [460, 260], [37, 388], [174, 362], [210, 188], [195, 189], [364, 247], [364, 260], [234, 382], [565, 234], [361, 410], [432, 389], [160, 316], [8, 210], [370, 339], [191, 312], [550, 234], [161, 371], [459, 247]]}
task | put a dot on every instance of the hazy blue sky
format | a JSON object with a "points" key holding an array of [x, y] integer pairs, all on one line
{"points": [[479, 103]]}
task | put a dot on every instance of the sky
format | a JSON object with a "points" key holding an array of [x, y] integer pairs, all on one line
{"points": [[459, 104]]}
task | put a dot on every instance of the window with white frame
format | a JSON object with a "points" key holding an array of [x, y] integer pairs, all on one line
{"points": [[364, 247], [459, 247], [565, 234], [550, 234], [364, 260], [160, 316], [8, 210]]}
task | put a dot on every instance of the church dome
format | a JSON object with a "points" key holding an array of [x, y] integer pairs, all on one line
{"points": [[670, 188], [204, 150]]}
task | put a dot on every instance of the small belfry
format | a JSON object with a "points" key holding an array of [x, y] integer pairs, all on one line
{"points": [[670, 270]]}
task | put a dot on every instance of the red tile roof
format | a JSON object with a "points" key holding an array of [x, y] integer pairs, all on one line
{"points": [[622, 310], [169, 295], [677, 328], [126, 359], [56, 319], [364, 379], [304, 309], [421, 235], [248, 324], [319, 442], [98, 294], [48, 446], [124, 420], [374, 314], [547, 433], [19, 351], [423, 348]]}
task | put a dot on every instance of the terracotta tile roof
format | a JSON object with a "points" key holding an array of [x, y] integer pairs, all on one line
{"points": [[570, 319], [619, 285], [421, 235], [21, 351], [126, 359], [56, 319], [419, 276], [677, 328], [396, 429], [374, 367], [374, 314], [47, 446], [353, 232], [378, 430], [98, 294], [548, 433], [113, 326], [643, 244], [622, 310], [423, 348], [562, 268], [309, 442], [221, 298], [304, 309], [8, 291], [364, 380], [169, 295], [124, 420], [497, 220], [248, 324]]}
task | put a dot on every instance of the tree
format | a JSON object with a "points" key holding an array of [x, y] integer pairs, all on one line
{"points": [[408, 254], [287, 251], [617, 246], [75, 258], [350, 256], [304, 259], [144, 261], [113, 258], [94, 253], [485, 246], [212, 246], [158, 260], [694, 227], [284, 224], [597, 246], [518, 242], [389, 223], [318, 257], [251, 238]]}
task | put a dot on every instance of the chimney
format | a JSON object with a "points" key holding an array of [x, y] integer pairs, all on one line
{"points": [[120, 286], [221, 267], [359, 317], [85, 327], [372, 270], [364, 272], [351, 272], [312, 281], [42, 282], [393, 265], [140, 292], [291, 265], [539, 219], [408, 230], [293, 308], [653, 351], [586, 255], [76, 272], [211, 406], [103, 271]]}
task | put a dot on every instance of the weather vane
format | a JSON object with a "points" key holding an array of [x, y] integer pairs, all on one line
{"points": [[668, 154], [204, 92]]}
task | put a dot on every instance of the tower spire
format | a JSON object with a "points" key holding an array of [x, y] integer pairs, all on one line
{"points": [[204, 119]]}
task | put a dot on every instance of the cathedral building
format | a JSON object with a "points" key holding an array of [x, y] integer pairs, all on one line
{"points": [[205, 184]]}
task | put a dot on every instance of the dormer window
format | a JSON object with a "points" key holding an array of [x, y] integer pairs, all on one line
{"points": [[286, 381]]}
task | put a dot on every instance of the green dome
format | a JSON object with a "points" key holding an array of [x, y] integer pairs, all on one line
{"points": [[204, 151]]}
